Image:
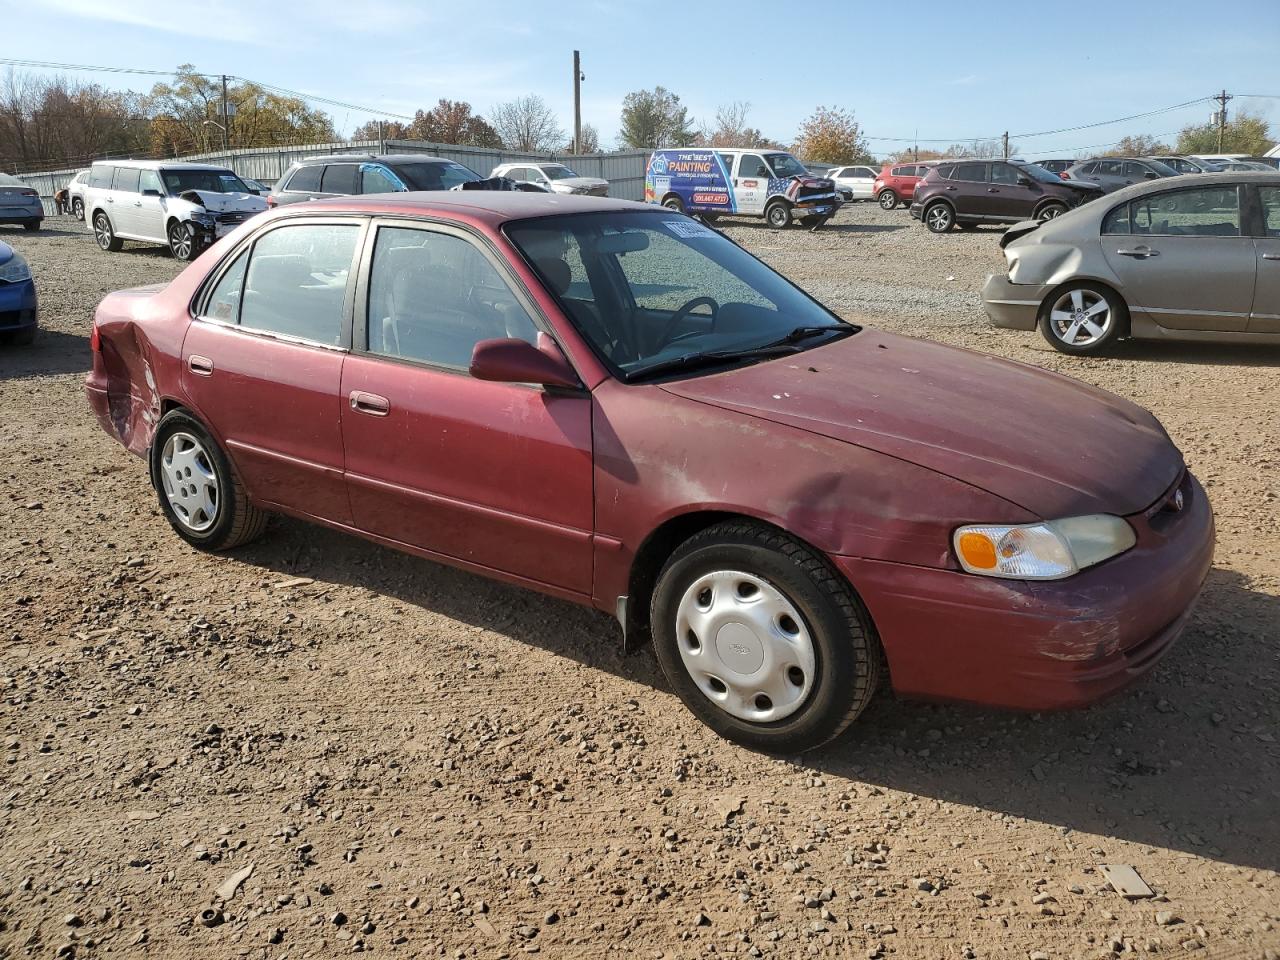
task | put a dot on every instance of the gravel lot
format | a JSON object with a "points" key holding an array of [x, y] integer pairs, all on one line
{"points": [[418, 762]]}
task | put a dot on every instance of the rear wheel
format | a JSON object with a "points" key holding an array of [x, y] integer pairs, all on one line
{"points": [[939, 217], [77, 208], [200, 494], [888, 199], [763, 641], [31, 226], [778, 214], [674, 203], [1082, 318], [105, 234]]}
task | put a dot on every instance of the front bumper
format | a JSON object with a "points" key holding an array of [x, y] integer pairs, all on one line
{"points": [[917, 210], [18, 306], [1013, 306], [1043, 645]]}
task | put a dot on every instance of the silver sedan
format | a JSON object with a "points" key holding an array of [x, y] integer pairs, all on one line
{"points": [[1174, 259]]}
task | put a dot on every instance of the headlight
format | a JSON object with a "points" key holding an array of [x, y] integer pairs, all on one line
{"points": [[15, 270], [1042, 551]]}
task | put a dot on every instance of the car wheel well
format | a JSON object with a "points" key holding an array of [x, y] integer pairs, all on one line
{"points": [[1049, 202], [1055, 291]]}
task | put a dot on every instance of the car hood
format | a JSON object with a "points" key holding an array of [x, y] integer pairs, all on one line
{"points": [[216, 202], [1049, 444], [580, 182]]}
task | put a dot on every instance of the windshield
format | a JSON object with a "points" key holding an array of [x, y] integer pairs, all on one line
{"points": [[1038, 173], [555, 171], [210, 181], [785, 165], [434, 176], [649, 290]]}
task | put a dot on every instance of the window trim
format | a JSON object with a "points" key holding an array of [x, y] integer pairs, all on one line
{"points": [[200, 300], [359, 343]]}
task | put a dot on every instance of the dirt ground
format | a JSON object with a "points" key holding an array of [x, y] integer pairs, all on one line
{"points": [[418, 762]]}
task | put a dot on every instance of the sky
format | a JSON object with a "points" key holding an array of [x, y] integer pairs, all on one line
{"points": [[904, 70]]}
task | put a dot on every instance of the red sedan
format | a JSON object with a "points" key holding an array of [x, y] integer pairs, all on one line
{"points": [[619, 406]]}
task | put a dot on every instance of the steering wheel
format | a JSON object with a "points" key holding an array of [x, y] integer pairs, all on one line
{"points": [[668, 334]]}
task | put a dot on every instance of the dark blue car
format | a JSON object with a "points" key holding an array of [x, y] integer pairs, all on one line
{"points": [[19, 203], [17, 297]]}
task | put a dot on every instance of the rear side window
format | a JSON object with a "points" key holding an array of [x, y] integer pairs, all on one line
{"points": [[127, 179], [1117, 221], [297, 281], [101, 176], [972, 172], [339, 178], [946, 173], [223, 302], [306, 179], [1111, 168], [1203, 212]]}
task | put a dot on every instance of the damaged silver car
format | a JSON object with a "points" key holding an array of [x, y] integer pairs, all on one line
{"points": [[182, 206]]}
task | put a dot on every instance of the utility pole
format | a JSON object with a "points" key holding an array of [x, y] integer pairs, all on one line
{"points": [[1006, 144], [577, 104], [226, 117], [382, 138], [915, 150], [1222, 99]]}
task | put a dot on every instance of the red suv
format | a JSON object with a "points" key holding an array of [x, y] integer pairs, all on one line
{"points": [[897, 182]]}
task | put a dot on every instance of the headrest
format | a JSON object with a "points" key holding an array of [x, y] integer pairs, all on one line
{"points": [[557, 274]]}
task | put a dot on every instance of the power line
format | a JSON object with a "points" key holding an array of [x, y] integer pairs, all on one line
{"points": [[45, 64]]}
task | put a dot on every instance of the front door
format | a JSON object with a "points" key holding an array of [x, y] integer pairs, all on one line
{"points": [[751, 183], [1265, 316], [1177, 240], [1009, 198], [263, 364], [496, 475]]}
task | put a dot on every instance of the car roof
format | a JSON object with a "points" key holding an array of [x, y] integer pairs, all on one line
{"points": [[1225, 177], [489, 206], [162, 165], [366, 157]]}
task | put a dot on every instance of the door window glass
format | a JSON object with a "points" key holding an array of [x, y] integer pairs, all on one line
{"points": [[339, 178], [1003, 173], [517, 174], [1203, 212], [306, 179], [1270, 211], [1135, 171], [434, 296], [149, 180], [223, 302], [864, 172], [1110, 168], [127, 179], [973, 172], [752, 166], [374, 179], [297, 281], [1117, 221]]}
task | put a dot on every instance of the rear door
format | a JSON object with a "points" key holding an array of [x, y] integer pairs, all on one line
{"points": [[150, 206], [1186, 262], [262, 365], [972, 183], [751, 183], [126, 203], [497, 475], [1265, 315]]}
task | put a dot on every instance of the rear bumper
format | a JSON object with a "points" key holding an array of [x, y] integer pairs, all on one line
{"points": [[917, 210], [1013, 306], [15, 215], [1043, 645]]}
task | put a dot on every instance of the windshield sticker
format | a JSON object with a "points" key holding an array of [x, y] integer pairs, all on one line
{"points": [[688, 229]]}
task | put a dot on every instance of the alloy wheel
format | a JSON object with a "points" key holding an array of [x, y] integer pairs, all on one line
{"points": [[887, 200], [190, 482], [102, 231], [180, 241], [1050, 211], [1080, 317], [745, 646], [938, 217]]}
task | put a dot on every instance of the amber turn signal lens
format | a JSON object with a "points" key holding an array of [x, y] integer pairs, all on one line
{"points": [[977, 550]]}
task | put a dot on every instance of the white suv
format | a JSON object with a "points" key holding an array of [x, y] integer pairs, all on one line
{"points": [[183, 206], [553, 177]]}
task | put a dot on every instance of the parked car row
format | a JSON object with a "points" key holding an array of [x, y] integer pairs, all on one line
{"points": [[971, 192]]}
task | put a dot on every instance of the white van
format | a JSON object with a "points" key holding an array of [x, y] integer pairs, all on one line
{"points": [[182, 206]]}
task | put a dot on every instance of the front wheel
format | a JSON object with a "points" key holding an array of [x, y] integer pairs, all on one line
{"points": [[182, 241], [1082, 318], [888, 199], [763, 641], [1050, 211], [104, 234], [200, 494], [778, 215], [939, 217], [674, 203]]}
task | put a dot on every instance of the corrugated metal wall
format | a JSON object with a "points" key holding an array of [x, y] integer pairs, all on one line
{"points": [[624, 170]]}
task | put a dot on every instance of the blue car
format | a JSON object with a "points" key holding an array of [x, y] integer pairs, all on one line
{"points": [[19, 203], [17, 297]]}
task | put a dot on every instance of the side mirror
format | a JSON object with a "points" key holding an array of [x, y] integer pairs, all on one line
{"points": [[1024, 181], [506, 360], [151, 193], [1150, 176]]}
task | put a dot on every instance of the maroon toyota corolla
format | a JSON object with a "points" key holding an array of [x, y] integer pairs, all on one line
{"points": [[619, 406]]}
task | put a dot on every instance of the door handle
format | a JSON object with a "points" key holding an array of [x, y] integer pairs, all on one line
{"points": [[370, 403], [202, 366], [1140, 253], [137, 203], [992, 190], [1271, 256], [953, 188]]}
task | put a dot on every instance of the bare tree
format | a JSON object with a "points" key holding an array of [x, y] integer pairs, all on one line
{"points": [[527, 124]]}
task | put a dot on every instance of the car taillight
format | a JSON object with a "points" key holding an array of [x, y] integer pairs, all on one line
{"points": [[27, 193], [95, 342]]}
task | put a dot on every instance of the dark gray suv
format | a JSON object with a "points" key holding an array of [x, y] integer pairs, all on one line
{"points": [[343, 174], [1114, 173]]}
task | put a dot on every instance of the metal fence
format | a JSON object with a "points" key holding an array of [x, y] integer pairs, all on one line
{"points": [[623, 170]]}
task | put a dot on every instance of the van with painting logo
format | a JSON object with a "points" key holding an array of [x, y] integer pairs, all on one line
{"points": [[747, 183]]}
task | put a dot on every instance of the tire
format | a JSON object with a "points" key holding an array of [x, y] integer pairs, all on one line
{"points": [[182, 445], [888, 199], [1061, 321], [182, 242], [77, 209], [31, 226], [1050, 210], [939, 217], [809, 615], [778, 215], [674, 203], [105, 234]]}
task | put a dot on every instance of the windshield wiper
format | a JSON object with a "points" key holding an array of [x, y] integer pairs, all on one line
{"points": [[789, 343]]}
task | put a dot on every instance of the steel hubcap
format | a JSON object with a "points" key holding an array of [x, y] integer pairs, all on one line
{"points": [[1080, 317], [190, 483], [745, 646]]}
